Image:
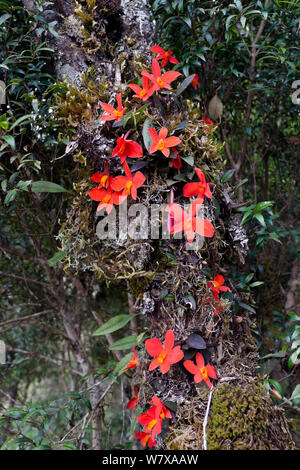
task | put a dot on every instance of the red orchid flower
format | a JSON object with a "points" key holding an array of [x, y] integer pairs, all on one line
{"points": [[189, 223], [142, 93], [217, 286], [127, 148], [128, 184], [104, 179], [206, 120], [113, 114], [176, 162], [161, 409], [200, 189], [200, 371], [133, 360], [166, 56], [145, 439], [151, 421], [107, 198], [133, 402], [164, 355], [160, 81], [195, 82], [162, 142]]}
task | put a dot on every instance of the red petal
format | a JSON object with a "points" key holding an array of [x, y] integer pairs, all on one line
{"points": [[127, 170], [156, 69], [219, 279], [224, 288], [198, 378], [190, 189], [138, 179], [166, 151], [199, 360], [153, 346], [148, 75], [200, 175], [118, 183], [190, 235], [173, 60], [165, 366], [133, 149], [208, 192], [133, 402], [170, 76], [157, 50], [97, 194], [191, 367], [135, 88], [153, 147], [153, 135], [176, 211], [172, 141], [208, 382], [204, 227], [211, 371], [96, 177], [169, 340], [107, 107], [163, 133], [146, 83], [154, 364], [175, 355], [119, 101], [109, 117], [196, 206]]}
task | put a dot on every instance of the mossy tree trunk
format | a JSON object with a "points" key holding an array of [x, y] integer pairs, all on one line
{"points": [[108, 40]]}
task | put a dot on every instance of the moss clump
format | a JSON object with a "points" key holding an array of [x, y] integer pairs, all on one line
{"points": [[244, 418], [138, 286]]}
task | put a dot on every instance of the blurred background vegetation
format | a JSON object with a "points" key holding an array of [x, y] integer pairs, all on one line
{"points": [[246, 84]]}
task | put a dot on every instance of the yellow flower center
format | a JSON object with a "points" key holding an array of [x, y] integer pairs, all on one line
{"points": [[151, 424], [103, 180], [118, 113], [142, 93], [203, 372], [128, 187], [106, 198], [201, 189], [133, 362], [161, 357], [167, 54], [122, 148], [160, 82], [145, 440], [188, 224], [161, 144], [216, 284]]}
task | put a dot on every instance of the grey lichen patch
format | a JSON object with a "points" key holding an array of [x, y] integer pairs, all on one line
{"points": [[238, 235], [139, 24]]}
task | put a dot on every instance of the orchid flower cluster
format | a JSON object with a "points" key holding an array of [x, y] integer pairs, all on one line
{"points": [[114, 190], [165, 355]]}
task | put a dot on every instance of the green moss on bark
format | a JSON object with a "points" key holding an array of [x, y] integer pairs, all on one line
{"points": [[243, 418]]}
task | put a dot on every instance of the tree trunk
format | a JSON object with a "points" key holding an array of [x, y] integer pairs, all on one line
{"points": [[109, 43]]}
